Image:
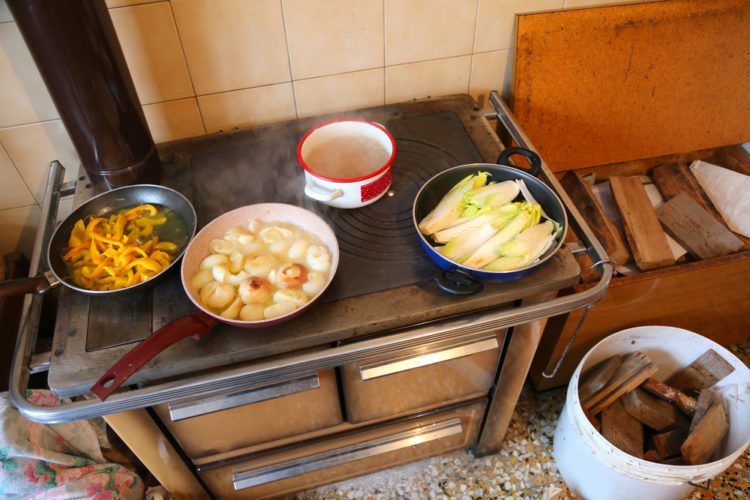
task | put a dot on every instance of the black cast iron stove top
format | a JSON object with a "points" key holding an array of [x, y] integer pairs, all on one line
{"points": [[383, 281], [378, 245]]}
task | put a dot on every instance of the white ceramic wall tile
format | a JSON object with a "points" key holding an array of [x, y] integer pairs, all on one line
{"points": [[330, 94], [23, 95], [149, 40], [15, 192], [5, 15], [490, 71], [247, 108], [18, 229], [232, 44], [169, 121], [427, 79], [333, 36], [496, 21], [32, 148], [420, 30]]}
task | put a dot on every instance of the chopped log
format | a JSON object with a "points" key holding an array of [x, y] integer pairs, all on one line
{"points": [[653, 456], [668, 443], [694, 228], [701, 444], [644, 232], [598, 377], [585, 201], [622, 430], [685, 403], [702, 373], [635, 368], [653, 412], [593, 420], [673, 179], [706, 398]]}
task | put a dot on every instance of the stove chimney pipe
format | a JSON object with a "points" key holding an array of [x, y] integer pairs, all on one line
{"points": [[76, 49]]}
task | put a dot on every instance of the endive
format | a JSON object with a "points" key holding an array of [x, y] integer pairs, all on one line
{"points": [[462, 246], [448, 210], [487, 252], [469, 223], [491, 195], [524, 248]]}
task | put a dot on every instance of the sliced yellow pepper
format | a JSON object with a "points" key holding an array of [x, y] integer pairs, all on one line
{"points": [[107, 253], [92, 225], [136, 211], [167, 246], [147, 263], [94, 252], [77, 234]]}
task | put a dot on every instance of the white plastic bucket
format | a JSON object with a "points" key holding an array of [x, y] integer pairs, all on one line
{"points": [[593, 468]]}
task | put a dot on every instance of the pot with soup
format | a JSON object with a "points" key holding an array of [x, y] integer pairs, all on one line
{"points": [[347, 163]]}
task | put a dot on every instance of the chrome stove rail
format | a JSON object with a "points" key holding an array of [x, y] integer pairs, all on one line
{"points": [[295, 363]]}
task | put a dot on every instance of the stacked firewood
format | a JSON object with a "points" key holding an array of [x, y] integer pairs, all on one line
{"points": [[680, 421]]}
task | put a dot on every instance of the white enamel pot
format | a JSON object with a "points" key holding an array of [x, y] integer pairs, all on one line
{"points": [[354, 188]]}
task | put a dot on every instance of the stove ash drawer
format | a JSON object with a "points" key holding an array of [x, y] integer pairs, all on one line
{"points": [[423, 378], [247, 417], [353, 454]]}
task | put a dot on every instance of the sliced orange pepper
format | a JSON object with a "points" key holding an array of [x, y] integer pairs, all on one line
{"points": [[70, 253]]}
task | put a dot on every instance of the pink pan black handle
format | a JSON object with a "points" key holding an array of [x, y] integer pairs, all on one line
{"points": [[197, 325]]}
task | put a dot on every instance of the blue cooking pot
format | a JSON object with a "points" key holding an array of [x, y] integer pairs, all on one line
{"points": [[456, 278]]}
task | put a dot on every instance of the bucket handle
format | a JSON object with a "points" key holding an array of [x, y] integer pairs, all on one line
{"points": [[578, 327]]}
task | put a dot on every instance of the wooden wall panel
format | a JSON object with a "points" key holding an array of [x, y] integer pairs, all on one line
{"points": [[610, 84]]}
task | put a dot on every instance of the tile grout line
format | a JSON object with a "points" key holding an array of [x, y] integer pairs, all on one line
{"points": [[473, 45], [23, 179], [190, 73], [289, 60]]}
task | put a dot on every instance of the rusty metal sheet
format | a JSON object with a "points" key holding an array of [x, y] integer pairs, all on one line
{"points": [[612, 84]]}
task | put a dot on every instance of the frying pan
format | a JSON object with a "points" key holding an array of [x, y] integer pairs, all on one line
{"points": [[463, 280], [200, 323], [103, 205]]}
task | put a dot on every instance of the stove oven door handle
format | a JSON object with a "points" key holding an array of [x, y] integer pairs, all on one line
{"points": [[367, 449], [438, 353], [195, 407]]}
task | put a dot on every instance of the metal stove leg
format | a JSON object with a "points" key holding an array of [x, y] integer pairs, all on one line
{"points": [[515, 366]]}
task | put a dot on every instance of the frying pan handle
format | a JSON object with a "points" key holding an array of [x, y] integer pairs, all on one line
{"points": [[457, 282], [38, 285], [197, 325], [534, 160]]}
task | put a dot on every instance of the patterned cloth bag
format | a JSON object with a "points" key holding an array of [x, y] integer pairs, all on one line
{"points": [[60, 461]]}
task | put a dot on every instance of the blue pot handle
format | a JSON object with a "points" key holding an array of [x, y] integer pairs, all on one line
{"points": [[457, 282], [536, 162]]}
